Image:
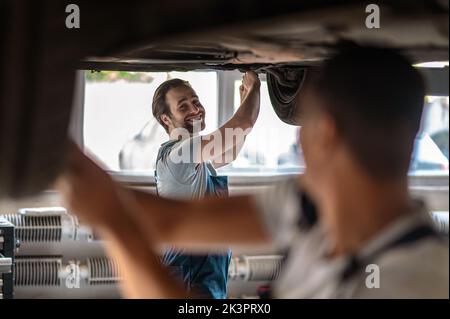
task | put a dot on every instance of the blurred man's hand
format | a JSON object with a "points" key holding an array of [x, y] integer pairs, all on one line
{"points": [[88, 191]]}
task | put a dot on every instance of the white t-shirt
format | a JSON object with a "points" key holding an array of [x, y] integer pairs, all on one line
{"points": [[177, 174], [415, 270]]}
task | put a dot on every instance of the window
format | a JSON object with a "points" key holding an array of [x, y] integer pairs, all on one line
{"points": [[119, 128], [430, 154], [272, 146]]}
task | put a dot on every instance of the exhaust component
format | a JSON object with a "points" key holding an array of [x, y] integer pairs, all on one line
{"points": [[53, 277], [45, 224], [255, 268], [7, 248], [51, 231], [37, 272]]}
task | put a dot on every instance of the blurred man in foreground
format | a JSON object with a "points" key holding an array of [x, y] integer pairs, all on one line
{"points": [[349, 224]]}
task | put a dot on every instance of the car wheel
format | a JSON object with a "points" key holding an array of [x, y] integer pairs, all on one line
{"points": [[284, 85]]}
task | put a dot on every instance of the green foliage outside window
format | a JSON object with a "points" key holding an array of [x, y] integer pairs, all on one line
{"points": [[113, 76]]}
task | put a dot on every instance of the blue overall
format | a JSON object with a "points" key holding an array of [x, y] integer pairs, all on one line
{"points": [[205, 276]]}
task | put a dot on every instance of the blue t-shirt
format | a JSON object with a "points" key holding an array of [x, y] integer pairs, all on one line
{"points": [[205, 275]]}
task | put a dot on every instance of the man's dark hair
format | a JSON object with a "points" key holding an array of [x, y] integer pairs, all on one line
{"points": [[159, 104], [376, 98]]}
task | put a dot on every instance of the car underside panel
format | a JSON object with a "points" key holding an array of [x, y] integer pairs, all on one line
{"points": [[302, 37]]}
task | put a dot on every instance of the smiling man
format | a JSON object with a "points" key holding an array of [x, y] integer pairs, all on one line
{"points": [[177, 108]]}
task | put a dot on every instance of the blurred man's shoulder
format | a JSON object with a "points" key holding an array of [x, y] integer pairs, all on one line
{"points": [[419, 270]]}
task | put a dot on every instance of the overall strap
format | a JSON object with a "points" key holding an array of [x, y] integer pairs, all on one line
{"points": [[161, 151], [307, 218], [308, 215], [421, 232]]}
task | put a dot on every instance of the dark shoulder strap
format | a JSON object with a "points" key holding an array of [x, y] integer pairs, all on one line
{"points": [[164, 148], [161, 151], [416, 234], [307, 218], [307, 211]]}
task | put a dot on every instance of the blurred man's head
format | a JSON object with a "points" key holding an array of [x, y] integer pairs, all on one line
{"points": [[176, 105], [362, 110]]}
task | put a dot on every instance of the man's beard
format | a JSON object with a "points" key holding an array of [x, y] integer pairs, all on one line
{"points": [[194, 126], [186, 129]]}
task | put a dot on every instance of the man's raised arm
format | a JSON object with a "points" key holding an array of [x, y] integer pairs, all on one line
{"points": [[222, 146]]}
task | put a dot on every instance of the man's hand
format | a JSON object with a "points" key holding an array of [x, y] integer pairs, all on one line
{"points": [[250, 81], [250, 99], [88, 191]]}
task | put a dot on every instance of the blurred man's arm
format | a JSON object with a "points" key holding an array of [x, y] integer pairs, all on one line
{"points": [[142, 272], [211, 223], [90, 192], [135, 224]]}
